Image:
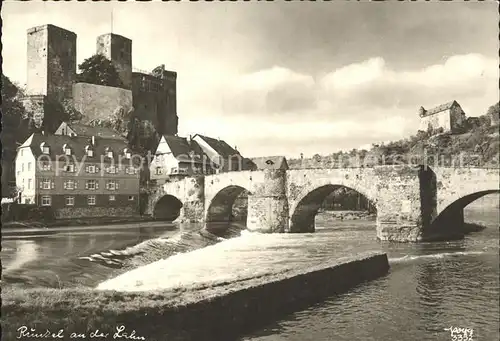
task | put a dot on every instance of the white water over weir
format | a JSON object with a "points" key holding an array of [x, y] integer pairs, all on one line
{"points": [[230, 260]]}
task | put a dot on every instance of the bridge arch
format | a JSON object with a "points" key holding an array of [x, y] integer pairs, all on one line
{"points": [[307, 205], [167, 208], [453, 214], [228, 204]]}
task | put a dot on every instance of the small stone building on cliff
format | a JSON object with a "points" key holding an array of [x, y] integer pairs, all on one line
{"points": [[448, 117]]}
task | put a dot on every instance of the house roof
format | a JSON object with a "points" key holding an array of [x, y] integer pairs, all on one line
{"points": [[220, 146], [88, 130], [440, 108], [182, 149], [77, 145], [269, 162]]}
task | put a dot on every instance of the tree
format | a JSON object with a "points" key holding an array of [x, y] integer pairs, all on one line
{"points": [[59, 111], [99, 70], [494, 109]]}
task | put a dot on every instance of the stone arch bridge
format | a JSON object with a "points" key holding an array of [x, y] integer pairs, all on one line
{"points": [[413, 203]]}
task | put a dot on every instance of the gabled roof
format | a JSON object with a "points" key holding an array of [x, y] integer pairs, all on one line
{"points": [[440, 108], [220, 146], [182, 149], [88, 130], [269, 162], [77, 145]]}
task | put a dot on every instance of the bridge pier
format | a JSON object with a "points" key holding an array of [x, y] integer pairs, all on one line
{"points": [[268, 204], [193, 208], [448, 226]]}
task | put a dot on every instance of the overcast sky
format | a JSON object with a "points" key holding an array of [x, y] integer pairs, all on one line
{"points": [[295, 77]]}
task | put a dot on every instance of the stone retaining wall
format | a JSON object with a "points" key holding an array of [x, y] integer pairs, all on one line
{"points": [[65, 213]]}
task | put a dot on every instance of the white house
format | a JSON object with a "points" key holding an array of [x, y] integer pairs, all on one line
{"points": [[178, 157], [448, 117]]}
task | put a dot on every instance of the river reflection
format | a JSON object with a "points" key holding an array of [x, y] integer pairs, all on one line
{"points": [[50, 257]]}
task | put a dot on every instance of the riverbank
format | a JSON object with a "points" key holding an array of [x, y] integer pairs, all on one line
{"points": [[349, 215], [78, 222], [214, 311]]}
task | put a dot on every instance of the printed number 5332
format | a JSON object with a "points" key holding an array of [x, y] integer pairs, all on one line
{"points": [[460, 334]]}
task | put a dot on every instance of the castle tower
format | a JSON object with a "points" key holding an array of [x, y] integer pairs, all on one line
{"points": [[155, 99], [118, 49], [51, 61]]}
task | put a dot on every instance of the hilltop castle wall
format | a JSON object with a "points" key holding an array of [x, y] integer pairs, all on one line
{"points": [[439, 120], [99, 101], [52, 73]]}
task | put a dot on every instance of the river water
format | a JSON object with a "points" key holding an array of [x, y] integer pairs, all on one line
{"points": [[430, 287]]}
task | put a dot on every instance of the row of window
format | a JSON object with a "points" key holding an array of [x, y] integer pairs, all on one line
{"points": [[89, 151], [181, 170], [70, 200], [73, 184], [91, 169]]}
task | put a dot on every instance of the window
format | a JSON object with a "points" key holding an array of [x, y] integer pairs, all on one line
{"points": [[91, 200], [70, 184], [91, 184], [127, 153], [174, 170], [69, 168], [70, 201], [46, 200], [29, 166], [111, 170], [30, 181], [22, 167], [67, 151], [154, 86], [45, 166], [130, 198], [112, 185], [112, 198], [22, 151], [91, 169], [131, 170], [45, 150], [159, 170], [90, 153], [46, 184]]}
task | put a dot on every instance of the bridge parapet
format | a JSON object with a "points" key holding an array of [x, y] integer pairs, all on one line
{"points": [[456, 183], [408, 199]]}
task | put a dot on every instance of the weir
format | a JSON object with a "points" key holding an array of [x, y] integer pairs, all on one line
{"points": [[221, 312]]}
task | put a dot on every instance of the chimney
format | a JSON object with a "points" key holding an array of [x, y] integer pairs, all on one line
{"points": [[93, 140]]}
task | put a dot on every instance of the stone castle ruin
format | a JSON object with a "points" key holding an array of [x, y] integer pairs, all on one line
{"points": [[52, 76]]}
